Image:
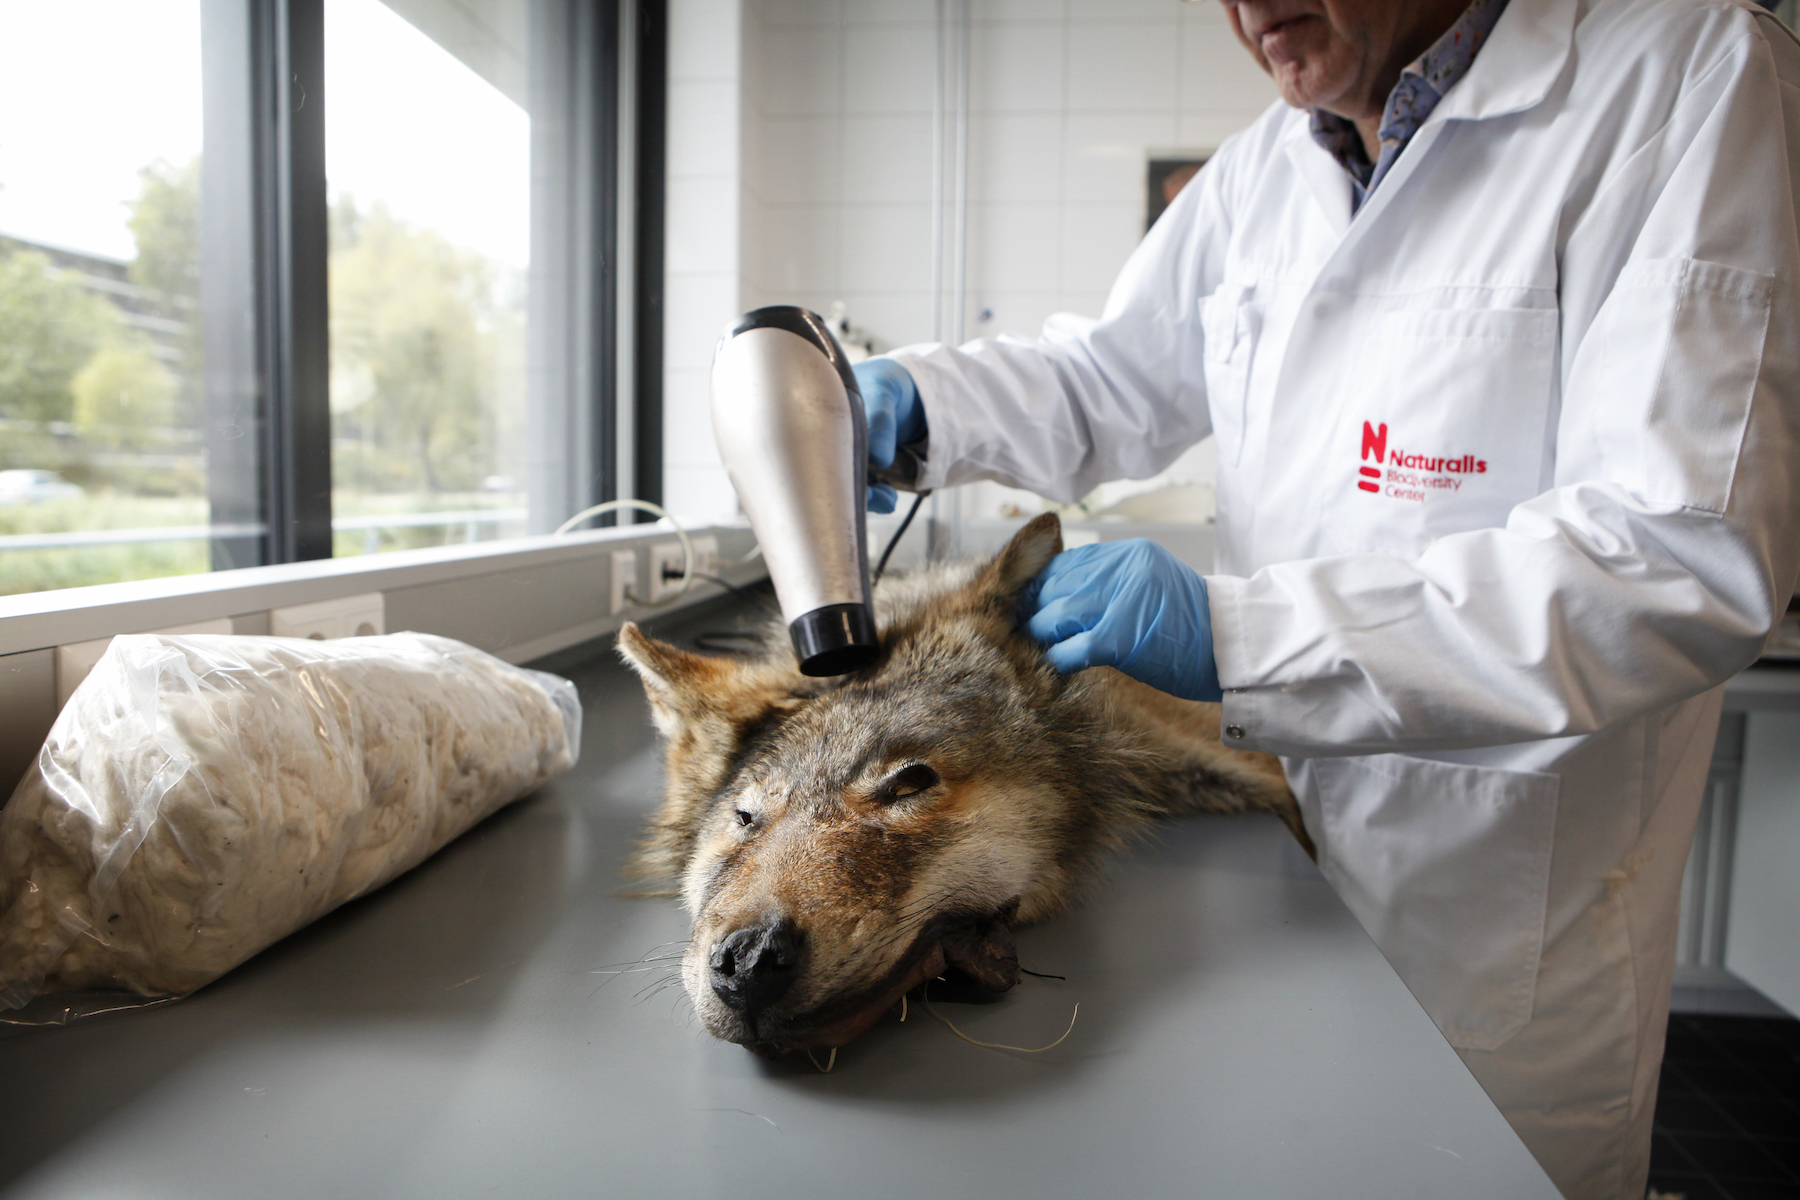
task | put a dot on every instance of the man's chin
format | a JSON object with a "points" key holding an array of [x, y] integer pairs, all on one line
{"points": [[1299, 86], [1309, 75]]}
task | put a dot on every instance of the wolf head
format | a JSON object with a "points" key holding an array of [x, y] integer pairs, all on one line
{"points": [[839, 842]]}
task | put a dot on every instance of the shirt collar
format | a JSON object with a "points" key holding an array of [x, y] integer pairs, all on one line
{"points": [[1422, 84], [1427, 79], [1522, 60], [1341, 140]]}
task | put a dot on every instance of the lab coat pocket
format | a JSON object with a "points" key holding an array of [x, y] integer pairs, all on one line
{"points": [[1680, 346], [1447, 866], [1444, 426], [1228, 322]]}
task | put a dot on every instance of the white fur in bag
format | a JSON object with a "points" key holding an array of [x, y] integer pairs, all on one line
{"points": [[202, 797]]}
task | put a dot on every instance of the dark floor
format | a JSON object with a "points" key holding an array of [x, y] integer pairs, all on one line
{"points": [[1728, 1115]]}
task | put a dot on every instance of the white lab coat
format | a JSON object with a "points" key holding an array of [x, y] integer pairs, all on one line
{"points": [[1507, 490]]}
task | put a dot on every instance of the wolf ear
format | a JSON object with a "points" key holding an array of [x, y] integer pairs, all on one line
{"points": [[1029, 552], [678, 683]]}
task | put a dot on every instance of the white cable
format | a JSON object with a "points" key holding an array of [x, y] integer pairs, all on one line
{"points": [[687, 546]]}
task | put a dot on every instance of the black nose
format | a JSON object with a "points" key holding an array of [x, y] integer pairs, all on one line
{"points": [[753, 968]]}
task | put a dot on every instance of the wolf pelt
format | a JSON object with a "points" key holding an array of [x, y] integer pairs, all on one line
{"points": [[841, 841]]}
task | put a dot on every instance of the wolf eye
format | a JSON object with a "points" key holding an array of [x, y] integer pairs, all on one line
{"points": [[745, 818], [908, 780]]}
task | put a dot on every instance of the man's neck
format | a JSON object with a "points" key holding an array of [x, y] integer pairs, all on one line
{"points": [[1432, 21], [1369, 130]]}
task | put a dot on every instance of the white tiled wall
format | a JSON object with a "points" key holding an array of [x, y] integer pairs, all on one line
{"points": [[832, 113], [1068, 98]]}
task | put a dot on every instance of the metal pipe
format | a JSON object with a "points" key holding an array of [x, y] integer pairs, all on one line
{"points": [[949, 229], [960, 188], [939, 114]]}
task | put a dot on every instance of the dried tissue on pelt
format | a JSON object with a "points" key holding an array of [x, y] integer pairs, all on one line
{"points": [[201, 797]]}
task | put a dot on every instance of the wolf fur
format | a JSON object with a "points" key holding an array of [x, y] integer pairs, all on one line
{"points": [[840, 842]]}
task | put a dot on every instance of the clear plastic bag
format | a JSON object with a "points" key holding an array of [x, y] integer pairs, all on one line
{"points": [[200, 798]]}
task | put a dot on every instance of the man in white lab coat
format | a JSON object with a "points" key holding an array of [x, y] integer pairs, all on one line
{"points": [[1496, 323]]}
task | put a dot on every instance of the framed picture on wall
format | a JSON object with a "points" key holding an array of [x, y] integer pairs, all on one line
{"points": [[1167, 177]]}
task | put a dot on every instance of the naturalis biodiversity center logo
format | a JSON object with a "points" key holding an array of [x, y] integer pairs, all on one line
{"points": [[1403, 475]]}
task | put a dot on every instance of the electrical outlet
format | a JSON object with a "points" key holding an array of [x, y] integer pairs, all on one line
{"points": [[666, 559], [347, 616], [75, 660], [622, 577], [706, 555]]}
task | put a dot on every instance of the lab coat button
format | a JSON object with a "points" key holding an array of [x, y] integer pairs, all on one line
{"points": [[1234, 732]]}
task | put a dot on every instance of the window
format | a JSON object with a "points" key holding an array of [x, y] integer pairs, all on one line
{"points": [[428, 169], [101, 362], [284, 279]]}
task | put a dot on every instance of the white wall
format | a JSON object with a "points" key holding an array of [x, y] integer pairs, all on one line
{"points": [[831, 105]]}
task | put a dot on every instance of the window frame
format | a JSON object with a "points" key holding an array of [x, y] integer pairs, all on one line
{"points": [[650, 92], [262, 265], [264, 246]]}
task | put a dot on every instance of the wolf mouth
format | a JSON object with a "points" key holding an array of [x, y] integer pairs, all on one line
{"points": [[979, 946]]}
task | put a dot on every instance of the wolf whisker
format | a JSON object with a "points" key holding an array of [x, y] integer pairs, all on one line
{"points": [[942, 900], [647, 963], [657, 986], [637, 968], [649, 956]]}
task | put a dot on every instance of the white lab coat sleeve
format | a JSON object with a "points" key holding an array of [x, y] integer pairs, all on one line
{"points": [[1088, 401], [1667, 546]]}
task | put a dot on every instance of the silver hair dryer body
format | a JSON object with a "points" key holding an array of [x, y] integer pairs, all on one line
{"points": [[789, 422]]}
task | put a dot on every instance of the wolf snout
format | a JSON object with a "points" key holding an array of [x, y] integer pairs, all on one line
{"points": [[752, 968]]}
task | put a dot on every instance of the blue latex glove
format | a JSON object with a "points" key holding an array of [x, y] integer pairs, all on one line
{"points": [[1130, 605], [896, 418]]}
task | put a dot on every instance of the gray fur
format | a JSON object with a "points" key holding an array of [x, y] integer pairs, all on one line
{"points": [[781, 795]]}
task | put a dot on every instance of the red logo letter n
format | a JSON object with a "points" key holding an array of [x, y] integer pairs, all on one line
{"points": [[1373, 441]]}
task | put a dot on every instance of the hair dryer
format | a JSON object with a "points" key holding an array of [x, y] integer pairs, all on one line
{"points": [[789, 421]]}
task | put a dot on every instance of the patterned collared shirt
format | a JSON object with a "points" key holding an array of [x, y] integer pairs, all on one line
{"points": [[1423, 82]]}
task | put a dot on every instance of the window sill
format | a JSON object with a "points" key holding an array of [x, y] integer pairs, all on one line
{"points": [[519, 599]]}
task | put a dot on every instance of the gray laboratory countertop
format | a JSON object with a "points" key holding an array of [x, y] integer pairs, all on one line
{"points": [[465, 1032]]}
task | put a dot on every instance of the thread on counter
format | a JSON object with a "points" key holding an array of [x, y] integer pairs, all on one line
{"points": [[999, 1045]]}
